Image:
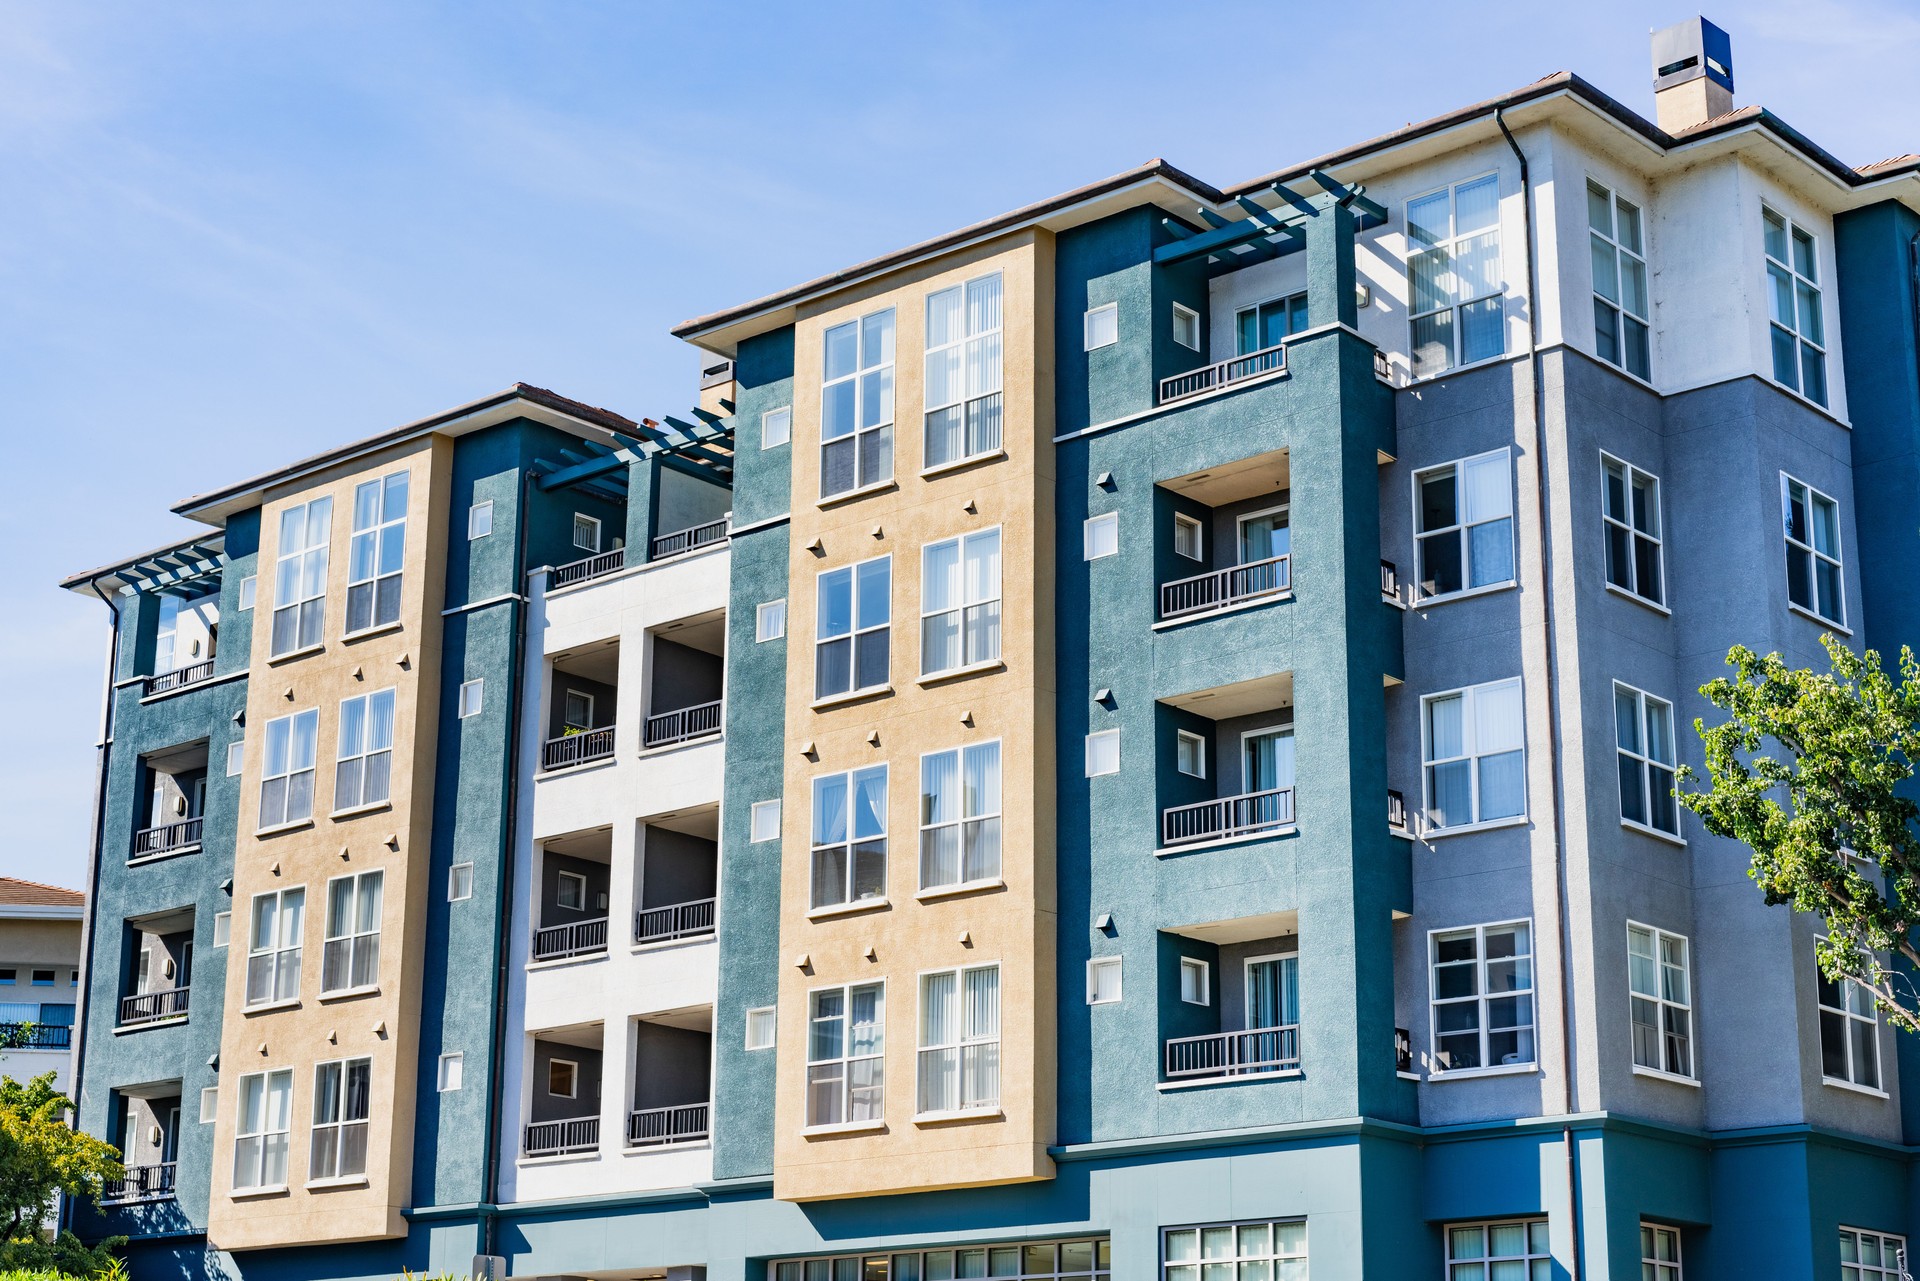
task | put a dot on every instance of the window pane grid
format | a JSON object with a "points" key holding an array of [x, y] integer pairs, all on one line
{"points": [[1483, 997], [960, 816], [964, 369], [960, 602], [377, 553], [260, 1135], [1797, 325], [1811, 523], [286, 783], [1034, 1261], [849, 837], [1849, 1032], [1643, 731], [300, 576], [1870, 1256], [1510, 1251], [853, 628], [846, 1035], [1474, 743], [1269, 1250], [856, 405], [351, 958], [341, 1097], [1630, 513], [364, 773], [959, 1060], [1463, 522], [1661, 996], [1620, 308], [274, 946], [1454, 279]]}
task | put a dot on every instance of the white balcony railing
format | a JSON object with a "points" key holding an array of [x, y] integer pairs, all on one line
{"points": [[149, 1007], [178, 678], [1223, 373], [675, 921], [577, 749], [586, 567], [652, 1127], [1228, 816], [682, 726], [559, 1138], [1220, 588], [687, 540], [1264, 1049], [578, 938]]}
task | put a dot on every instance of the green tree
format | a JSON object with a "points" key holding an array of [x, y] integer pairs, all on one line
{"points": [[42, 1156], [1808, 772]]}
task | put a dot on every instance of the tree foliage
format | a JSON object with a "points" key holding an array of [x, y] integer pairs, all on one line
{"points": [[41, 1156], [1808, 772]]}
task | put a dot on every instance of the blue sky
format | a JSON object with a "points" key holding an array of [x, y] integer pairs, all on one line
{"points": [[231, 234]]}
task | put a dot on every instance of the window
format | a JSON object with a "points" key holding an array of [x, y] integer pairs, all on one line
{"points": [[8, 976], [1631, 517], [222, 928], [164, 634], [960, 816], [960, 602], [377, 553], [260, 1137], [1263, 1250], [850, 837], [1813, 551], [1870, 1256], [1798, 328], [1186, 327], [563, 1078], [1454, 277], [1483, 997], [341, 1093], [1103, 326], [286, 789], [1659, 1253], [480, 520], [364, 775], [760, 1028], [300, 576], [846, 1075], [1103, 980], [1030, 1261], [959, 1061], [1619, 255], [210, 1105], [1474, 741], [853, 631], [776, 427], [1662, 999], [1101, 537], [1190, 754], [273, 949], [1196, 981], [459, 882], [1496, 1251], [963, 371], [351, 958], [770, 620], [586, 532], [1849, 1032], [1187, 536], [1269, 324], [576, 710], [1463, 521], [570, 892], [453, 1069], [1643, 726], [1103, 753], [470, 692], [856, 405], [43, 978], [765, 821], [236, 757], [248, 587]]}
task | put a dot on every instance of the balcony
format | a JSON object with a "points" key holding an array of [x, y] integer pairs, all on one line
{"points": [[1235, 1014], [677, 876], [1228, 817], [682, 541], [582, 707], [683, 725], [1222, 588], [1266, 1049], [572, 881], [675, 921], [141, 1183], [561, 1138], [577, 747], [686, 672], [577, 938], [173, 799], [565, 1099], [656, 1127], [598, 565], [1231, 522], [35, 1036], [168, 838], [178, 678], [152, 1007], [1232, 753], [1223, 374], [673, 1066]]}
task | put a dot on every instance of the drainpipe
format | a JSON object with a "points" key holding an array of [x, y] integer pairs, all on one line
{"points": [[1550, 656]]}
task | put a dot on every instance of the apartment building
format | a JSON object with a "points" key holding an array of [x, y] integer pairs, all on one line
{"points": [[1191, 799], [40, 928]]}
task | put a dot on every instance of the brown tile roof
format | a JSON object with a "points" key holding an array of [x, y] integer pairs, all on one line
{"points": [[18, 893]]}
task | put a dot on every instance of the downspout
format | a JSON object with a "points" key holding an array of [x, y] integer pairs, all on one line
{"points": [[1553, 694]]}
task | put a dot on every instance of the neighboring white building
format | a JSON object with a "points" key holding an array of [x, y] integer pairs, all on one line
{"points": [[39, 976]]}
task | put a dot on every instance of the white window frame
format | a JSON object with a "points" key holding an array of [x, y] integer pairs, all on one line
{"points": [[460, 882], [1104, 317], [236, 758], [249, 591], [1249, 1243], [1812, 555], [1670, 1012], [1470, 753], [964, 822], [561, 881], [1850, 994], [293, 567], [361, 750], [859, 626], [222, 928], [1289, 301], [1456, 302], [1482, 997], [978, 374], [762, 1027], [480, 520], [1098, 965], [1183, 737], [963, 609], [572, 1067], [1102, 531], [1658, 1262], [1462, 529], [1641, 544], [332, 1102], [451, 1071], [844, 1096], [367, 571], [472, 697], [966, 1041], [210, 1105], [1203, 980], [880, 371], [1889, 1246], [353, 938], [1190, 319], [1624, 258], [284, 957], [289, 767], [568, 720], [850, 842], [770, 620], [1097, 746], [776, 427], [1182, 524], [1535, 1251], [1806, 338], [268, 1129], [760, 815], [1647, 708], [589, 526]]}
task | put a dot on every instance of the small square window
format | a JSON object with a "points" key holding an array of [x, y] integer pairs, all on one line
{"points": [[236, 757], [1186, 327], [470, 698], [222, 928], [586, 532], [1190, 754], [1103, 326], [765, 821], [563, 1078], [760, 1025], [459, 882], [247, 586], [453, 1069], [770, 620], [571, 893], [776, 427], [1196, 986], [1103, 753], [43, 978], [1102, 536], [1186, 537], [209, 1105], [1103, 980], [8, 976], [480, 520]]}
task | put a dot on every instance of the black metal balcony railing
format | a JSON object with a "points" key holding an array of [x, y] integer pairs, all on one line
{"points": [[167, 837], [1264, 1049], [577, 749], [650, 1127], [687, 540], [1223, 373], [1389, 582], [142, 1183], [35, 1036], [1228, 816], [178, 678], [558, 1138], [580, 938], [1220, 588], [593, 566], [675, 921], [681, 726], [148, 1007], [1396, 811]]}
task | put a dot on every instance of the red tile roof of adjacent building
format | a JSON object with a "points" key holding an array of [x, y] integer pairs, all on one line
{"points": [[18, 893]]}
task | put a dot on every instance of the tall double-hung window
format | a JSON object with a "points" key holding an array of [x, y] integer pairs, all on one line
{"points": [[1849, 1032], [1463, 524], [274, 946], [960, 602], [1483, 997], [1617, 245], [364, 774], [300, 576], [856, 405], [286, 781], [1643, 731], [342, 1095], [960, 816], [960, 1039], [1812, 523], [1630, 515], [846, 1047], [378, 551], [1798, 328], [261, 1129], [1455, 287], [1474, 741], [853, 627], [850, 837], [351, 959], [963, 390], [1662, 996]]}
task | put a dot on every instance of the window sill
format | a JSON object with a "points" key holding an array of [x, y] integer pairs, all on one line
{"points": [[161, 856], [848, 909], [1227, 842], [1469, 593], [560, 1158], [1471, 365], [939, 892], [1643, 829], [1238, 607], [368, 633], [1638, 599], [255, 1194], [1408, 1076], [1851, 1088], [852, 696], [274, 660], [1808, 401], [1671, 1077], [961, 673], [1839, 628], [562, 962], [962, 1115], [961, 464], [125, 1029], [661, 945], [584, 767], [865, 491], [267, 1007], [354, 811], [278, 828], [334, 1185], [679, 1145], [1240, 1078], [844, 1127], [1469, 1074], [349, 994], [1432, 834]]}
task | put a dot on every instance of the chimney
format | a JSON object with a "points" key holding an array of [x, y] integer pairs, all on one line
{"points": [[1692, 74]]}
